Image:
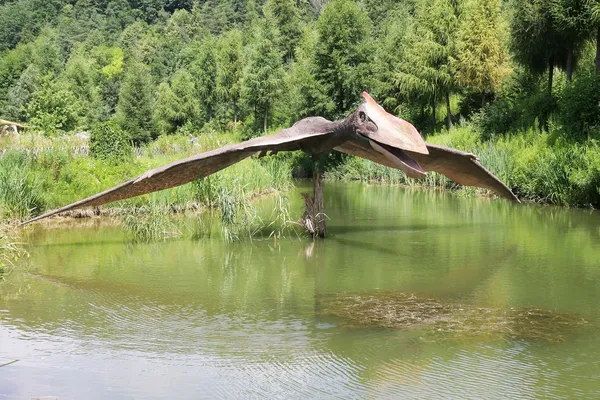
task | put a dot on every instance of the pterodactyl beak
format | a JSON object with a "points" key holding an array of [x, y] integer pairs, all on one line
{"points": [[394, 135]]}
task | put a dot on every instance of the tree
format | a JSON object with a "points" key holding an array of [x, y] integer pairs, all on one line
{"points": [[286, 16], [480, 62], [110, 62], [80, 76], [595, 19], [263, 75], [203, 68], [230, 62], [425, 71], [21, 92], [176, 104], [573, 21], [391, 46], [535, 42], [134, 109], [54, 108], [306, 96], [342, 53]]}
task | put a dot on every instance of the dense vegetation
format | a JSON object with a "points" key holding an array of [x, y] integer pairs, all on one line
{"points": [[517, 82]]}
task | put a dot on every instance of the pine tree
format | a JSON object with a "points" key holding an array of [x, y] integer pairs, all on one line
{"points": [[81, 77], [230, 61], [203, 68], [176, 104], [134, 109], [287, 18], [342, 53], [307, 96], [390, 50], [425, 71], [263, 75]]}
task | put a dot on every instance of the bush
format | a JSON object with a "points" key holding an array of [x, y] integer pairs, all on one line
{"points": [[579, 110], [109, 143]]}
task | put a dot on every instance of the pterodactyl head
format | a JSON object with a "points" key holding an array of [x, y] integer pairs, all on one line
{"points": [[390, 136]]}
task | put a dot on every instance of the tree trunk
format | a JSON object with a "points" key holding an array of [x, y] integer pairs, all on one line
{"points": [[545, 117], [433, 111], [314, 218], [265, 121], [550, 73], [598, 50], [448, 112], [570, 64]]}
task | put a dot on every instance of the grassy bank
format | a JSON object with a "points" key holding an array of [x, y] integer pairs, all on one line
{"points": [[536, 166], [35, 179], [37, 174]]}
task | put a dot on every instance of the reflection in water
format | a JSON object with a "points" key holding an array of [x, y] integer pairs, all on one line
{"points": [[498, 298]]}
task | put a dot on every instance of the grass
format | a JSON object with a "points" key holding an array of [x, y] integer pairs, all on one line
{"points": [[149, 224], [37, 174], [10, 250], [536, 166]]}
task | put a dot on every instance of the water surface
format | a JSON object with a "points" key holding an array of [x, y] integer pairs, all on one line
{"points": [[415, 294]]}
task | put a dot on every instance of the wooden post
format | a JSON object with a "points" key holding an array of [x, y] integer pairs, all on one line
{"points": [[314, 219]]}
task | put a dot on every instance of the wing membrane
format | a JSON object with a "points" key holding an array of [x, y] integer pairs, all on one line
{"points": [[191, 168]]}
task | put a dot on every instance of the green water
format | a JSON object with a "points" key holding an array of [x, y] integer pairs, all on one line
{"points": [[415, 294]]}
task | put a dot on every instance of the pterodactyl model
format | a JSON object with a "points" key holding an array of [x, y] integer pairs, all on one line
{"points": [[369, 132]]}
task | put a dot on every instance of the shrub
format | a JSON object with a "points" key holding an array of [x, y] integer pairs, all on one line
{"points": [[110, 143], [579, 110]]}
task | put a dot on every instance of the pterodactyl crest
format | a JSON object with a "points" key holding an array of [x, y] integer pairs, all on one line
{"points": [[369, 132]]}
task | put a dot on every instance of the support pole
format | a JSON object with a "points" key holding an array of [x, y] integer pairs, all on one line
{"points": [[314, 218]]}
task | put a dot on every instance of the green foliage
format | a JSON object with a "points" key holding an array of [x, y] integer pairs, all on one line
{"points": [[21, 92], [149, 224], [306, 96], [263, 75], [230, 61], [134, 109], [579, 111], [54, 108], [287, 18], [200, 68], [176, 104], [534, 40], [342, 53], [20, 189], [204, 70], [109, 143], [81, 76], [481, 60]]}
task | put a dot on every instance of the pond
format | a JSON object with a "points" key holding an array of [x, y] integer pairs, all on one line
{"points": [[414, 294]]}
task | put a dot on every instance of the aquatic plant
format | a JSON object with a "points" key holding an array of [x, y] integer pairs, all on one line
{"points": [[150, 223], [10, 250], [451, 319]]}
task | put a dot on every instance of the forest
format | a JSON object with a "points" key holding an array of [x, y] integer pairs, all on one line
{"points": [[515, 82]]}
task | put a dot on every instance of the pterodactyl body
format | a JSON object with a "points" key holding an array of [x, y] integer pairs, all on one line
{"points": [[369, 132]]}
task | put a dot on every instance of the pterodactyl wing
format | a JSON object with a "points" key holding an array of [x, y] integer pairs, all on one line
{"points": [[192, 168], [461, 167]]}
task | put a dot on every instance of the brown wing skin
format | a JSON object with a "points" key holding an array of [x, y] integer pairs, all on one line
{"points": [[463, 168], [195, 167]]}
